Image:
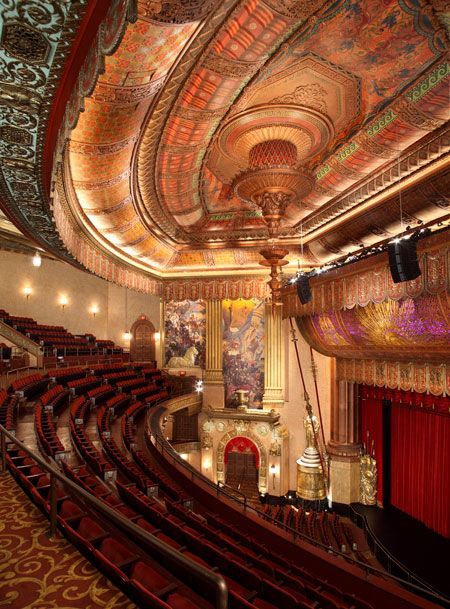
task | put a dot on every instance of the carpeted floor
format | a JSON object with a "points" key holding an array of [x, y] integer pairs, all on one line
{"points": [[37, 573]]}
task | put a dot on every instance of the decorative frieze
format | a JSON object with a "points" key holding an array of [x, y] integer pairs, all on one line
{"points": [[409, 376]]}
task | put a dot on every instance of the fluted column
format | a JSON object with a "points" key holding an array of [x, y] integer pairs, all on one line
{"points": [[344, 446], [214, 387], [273, 357]]}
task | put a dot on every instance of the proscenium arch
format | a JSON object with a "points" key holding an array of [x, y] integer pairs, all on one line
{"points": [[220, 464]]}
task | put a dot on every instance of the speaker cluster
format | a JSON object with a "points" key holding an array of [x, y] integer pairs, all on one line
{"points": [[403, 262]]}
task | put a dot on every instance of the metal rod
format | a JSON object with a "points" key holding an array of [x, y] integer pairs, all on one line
{"points": [[309, 409], [53, 510], [3, 450], [314, 373]]}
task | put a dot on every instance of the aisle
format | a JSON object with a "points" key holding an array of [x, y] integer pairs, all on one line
{"points": [[36, 571]]}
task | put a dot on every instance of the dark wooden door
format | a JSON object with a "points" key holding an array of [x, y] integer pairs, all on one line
{"points": [[143, 345], [241, 467]]}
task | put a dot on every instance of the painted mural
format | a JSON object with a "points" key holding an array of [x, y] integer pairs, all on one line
{"points": [[243, 349], [185, 325]]}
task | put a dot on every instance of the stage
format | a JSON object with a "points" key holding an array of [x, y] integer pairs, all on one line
{"points": [[423, 552]]}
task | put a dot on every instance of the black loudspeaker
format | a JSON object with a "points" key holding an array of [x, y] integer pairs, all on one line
{"points": [[303, 289], [403, 262]]}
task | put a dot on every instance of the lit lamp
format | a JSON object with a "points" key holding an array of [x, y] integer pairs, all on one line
{"points": [[37, 260], [273, 471], [63, 301], [126, 335], [157, 335], [94, 310], [27, 290]]}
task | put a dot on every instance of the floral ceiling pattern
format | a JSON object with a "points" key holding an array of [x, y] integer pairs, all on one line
{"points": [[173, 98]]}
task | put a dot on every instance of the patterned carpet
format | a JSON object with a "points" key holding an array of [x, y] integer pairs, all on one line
{"points": [[36, 573]]}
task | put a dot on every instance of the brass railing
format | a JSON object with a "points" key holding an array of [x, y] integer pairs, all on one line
{"points": [[205, 575]]}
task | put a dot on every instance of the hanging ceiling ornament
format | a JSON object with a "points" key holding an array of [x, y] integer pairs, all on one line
{"points": [[272, 182]]}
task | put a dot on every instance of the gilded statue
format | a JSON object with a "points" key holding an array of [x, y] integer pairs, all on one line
{"points": [[311, 425], [368, 480]]}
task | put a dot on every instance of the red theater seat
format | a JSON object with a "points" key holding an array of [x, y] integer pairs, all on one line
{"points": [[90, 530], [177, 601], [150, 579]]}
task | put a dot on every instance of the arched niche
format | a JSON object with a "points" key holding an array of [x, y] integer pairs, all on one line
{"points": [[142, 342], [262, 460]]}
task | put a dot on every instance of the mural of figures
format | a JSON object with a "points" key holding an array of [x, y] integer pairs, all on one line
{"points": [[185, 325], [243, 349]]}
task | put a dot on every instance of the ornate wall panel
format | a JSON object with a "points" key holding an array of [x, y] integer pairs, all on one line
{"points": [[410, 376], [215, 289]]}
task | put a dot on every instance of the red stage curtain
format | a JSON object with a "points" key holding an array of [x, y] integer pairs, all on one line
{"points": [[420, 466], [372, 433]]}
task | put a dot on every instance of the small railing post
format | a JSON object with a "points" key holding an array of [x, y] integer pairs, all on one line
{"points": [[52, 505], [3, 451]]}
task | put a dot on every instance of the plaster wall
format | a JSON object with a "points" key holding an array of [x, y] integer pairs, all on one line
{"points": [[83, 290], [293, 411]]}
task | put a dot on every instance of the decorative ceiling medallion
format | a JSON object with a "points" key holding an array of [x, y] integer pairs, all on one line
{"points": [[309, 130]]}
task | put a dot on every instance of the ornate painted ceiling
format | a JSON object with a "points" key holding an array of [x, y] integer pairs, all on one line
{"points": [[178, 100]]}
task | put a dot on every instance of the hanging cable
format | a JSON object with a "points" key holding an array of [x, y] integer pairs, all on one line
{"points": [[400, 196], [309, 409], [314, 373]]}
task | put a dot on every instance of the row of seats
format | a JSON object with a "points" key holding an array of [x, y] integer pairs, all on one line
{"points": [[323, 527], [113, 377], [8, 405], [100, 394], [131, 384], [118, 403], [86, 449], [58, 337], [81, 385], [29, 386], [63, 375], [151, 470], [104, 368], [55, 397], [45, 428], [144, 392], [128, 468], [256, 577], [124, 563]]}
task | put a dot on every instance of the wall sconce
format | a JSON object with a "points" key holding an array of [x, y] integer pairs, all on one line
{"points": [[27, 290], [184, 456], [157, 335], [36, 260], [94, 310], [126, 335], [63, 301], [273, 471], [206, 464], [198, 386]]}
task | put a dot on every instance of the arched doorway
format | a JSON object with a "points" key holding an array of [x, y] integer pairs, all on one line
{"points": [[242, 461], [142, 343]]}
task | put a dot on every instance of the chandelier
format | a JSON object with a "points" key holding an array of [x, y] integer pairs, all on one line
{"points": [[272, 182]]}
